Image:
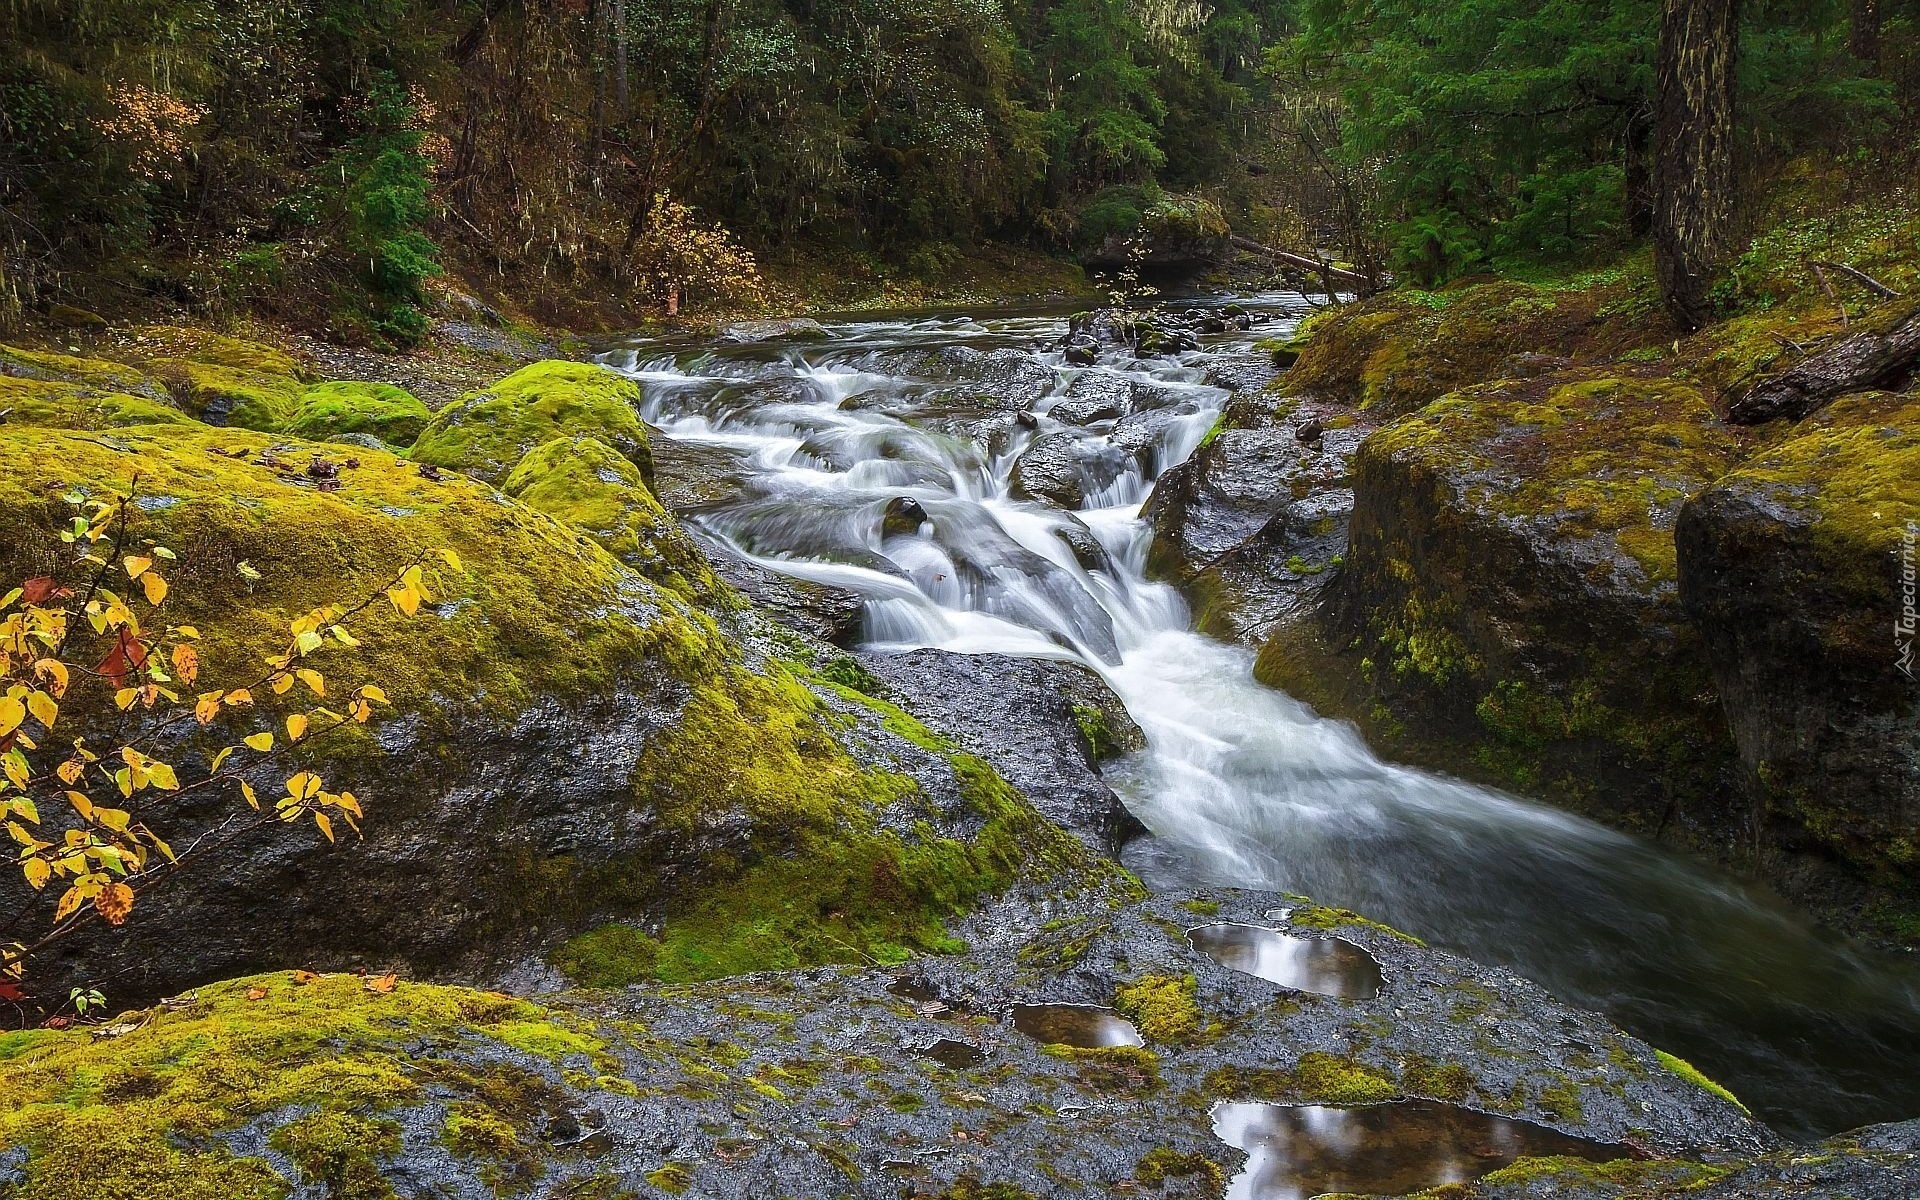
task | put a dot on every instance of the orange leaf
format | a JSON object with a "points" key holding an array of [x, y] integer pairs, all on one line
{"points": [[304, 977], [256, 993], [186, 662], [383, 983], [115, 901]]}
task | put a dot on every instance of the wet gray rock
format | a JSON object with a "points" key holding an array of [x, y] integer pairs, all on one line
{"points": [[820, 610], [688, 476], [787, 330], [1250, 527], [1044, 724], [1065, 467]]}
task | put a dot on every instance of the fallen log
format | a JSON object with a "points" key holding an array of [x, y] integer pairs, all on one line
{"points": [[1886, 350], [1305, 262]]}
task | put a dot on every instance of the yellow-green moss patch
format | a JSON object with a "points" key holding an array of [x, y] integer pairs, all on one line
{"points": [[1692, 1074], [487, 433], [328, 410], [234, 396]]}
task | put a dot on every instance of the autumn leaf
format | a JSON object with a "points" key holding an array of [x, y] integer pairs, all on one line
{"points": [[114, 902], [154, 586], [40, 589], [259, 741], [256, 993], [326, 826], [296, 727], [305, 977], [137, 565], [186, 662], [383, 984]]}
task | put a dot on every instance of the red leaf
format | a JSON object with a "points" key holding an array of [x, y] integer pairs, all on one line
{"points": [[127, 654], [40, 588], [9, 990]]}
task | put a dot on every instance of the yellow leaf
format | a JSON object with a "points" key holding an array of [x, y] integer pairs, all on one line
{"points": [[346, 800], [12, 712], [163, 777], [282, 684], [314, 680], [452, 560], [15, 765], [54, 669], [43, 708], [246, 790], [82, 804], [207, 708], [341, 635], [405, 599], [373, 693], [125, 697], [296, 727], [71, 770], [186, 662], [137, 565], [37, 872], [325, 825], [161, 846], [304, 785], [154, 586], [238, 696], [68, 903], [260, 741], [305, 977], [308, 641], [219, 758]]}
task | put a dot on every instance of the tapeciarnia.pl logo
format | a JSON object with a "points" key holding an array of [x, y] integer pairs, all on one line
{"points": [[1904, 624]]}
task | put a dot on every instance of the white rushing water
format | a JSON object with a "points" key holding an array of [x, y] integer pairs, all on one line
{"points": [[1241, 785]]}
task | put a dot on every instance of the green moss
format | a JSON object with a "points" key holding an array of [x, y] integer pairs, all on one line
{"points": [[200, 345], [1439, 1081], [671, 1177], [1561, 1100], [341, 1152], [477, 1131], [233, 396], [1127, 1070], [56, 405], [96, 1153], [1314, 916], [1204, 908], [1318, 1078], [1692, 1074], [848, 673], [389, 413], [585, 482], [1162, 1163], [546, 1038], [969, 1187], [612, 955], [487, 433], [91, 374], [1162, 1008], [1561, 1173], [1097, 733]]}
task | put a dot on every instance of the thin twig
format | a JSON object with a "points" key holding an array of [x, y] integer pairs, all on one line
{"points": [[1862, 278]]}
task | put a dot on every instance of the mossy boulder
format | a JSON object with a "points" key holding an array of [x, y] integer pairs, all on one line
{"points": [[570, 741], [1799, 570], [487, 433], [1405, 348], [241, 397], [1508, 606], [582, 480], [97, 375], [329, 410], [50, 404], [187, 343]]}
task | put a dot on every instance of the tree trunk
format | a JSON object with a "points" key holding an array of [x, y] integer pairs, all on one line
{"points": [[620, 61], [1693, 188], [1863, 37]]}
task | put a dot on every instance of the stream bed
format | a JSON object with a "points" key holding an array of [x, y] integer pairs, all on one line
{"points": [[1240, 785]]}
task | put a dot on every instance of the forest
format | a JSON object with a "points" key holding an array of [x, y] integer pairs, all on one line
{"points": [[960, 599], [323, 160]]}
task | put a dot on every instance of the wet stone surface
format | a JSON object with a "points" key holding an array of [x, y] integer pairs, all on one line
{"points": [[1328, 966], [1083, 1026], [1297, 1151]]}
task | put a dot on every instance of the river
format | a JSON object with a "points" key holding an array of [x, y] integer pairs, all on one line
{"points": [[1240, 784]]}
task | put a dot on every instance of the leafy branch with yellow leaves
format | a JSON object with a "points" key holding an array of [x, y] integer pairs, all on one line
{"points": [[84, 819]]}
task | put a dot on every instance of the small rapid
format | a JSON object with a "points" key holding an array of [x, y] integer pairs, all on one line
{"points": [[1240, 785]]}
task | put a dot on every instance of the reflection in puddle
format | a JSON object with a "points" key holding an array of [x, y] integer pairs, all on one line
{"points": [[1082, 1025], [1325, 965], [1297, 1151], [952, 1052]]}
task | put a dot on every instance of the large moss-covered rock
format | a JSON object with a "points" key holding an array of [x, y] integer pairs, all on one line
{"points": [[487, 433], [849, 1081], [1799, 570], [1508, 607], [331, 410], [585, 482], [1400, 350], [242, 397], [100, 375], [571, 741]]}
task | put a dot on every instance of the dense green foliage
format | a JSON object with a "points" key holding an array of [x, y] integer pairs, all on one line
{"points": [[324, 160]]}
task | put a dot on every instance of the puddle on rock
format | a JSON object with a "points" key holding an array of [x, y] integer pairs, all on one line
{"points": [[954, 1053], [1084, 1025], [1328, 966], [1298, 1151]]}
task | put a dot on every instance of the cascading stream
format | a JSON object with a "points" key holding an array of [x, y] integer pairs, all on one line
{"points": [[1240, 784]]}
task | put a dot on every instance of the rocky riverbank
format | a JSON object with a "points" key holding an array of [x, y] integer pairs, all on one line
{"points": [[1506, 530]]}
